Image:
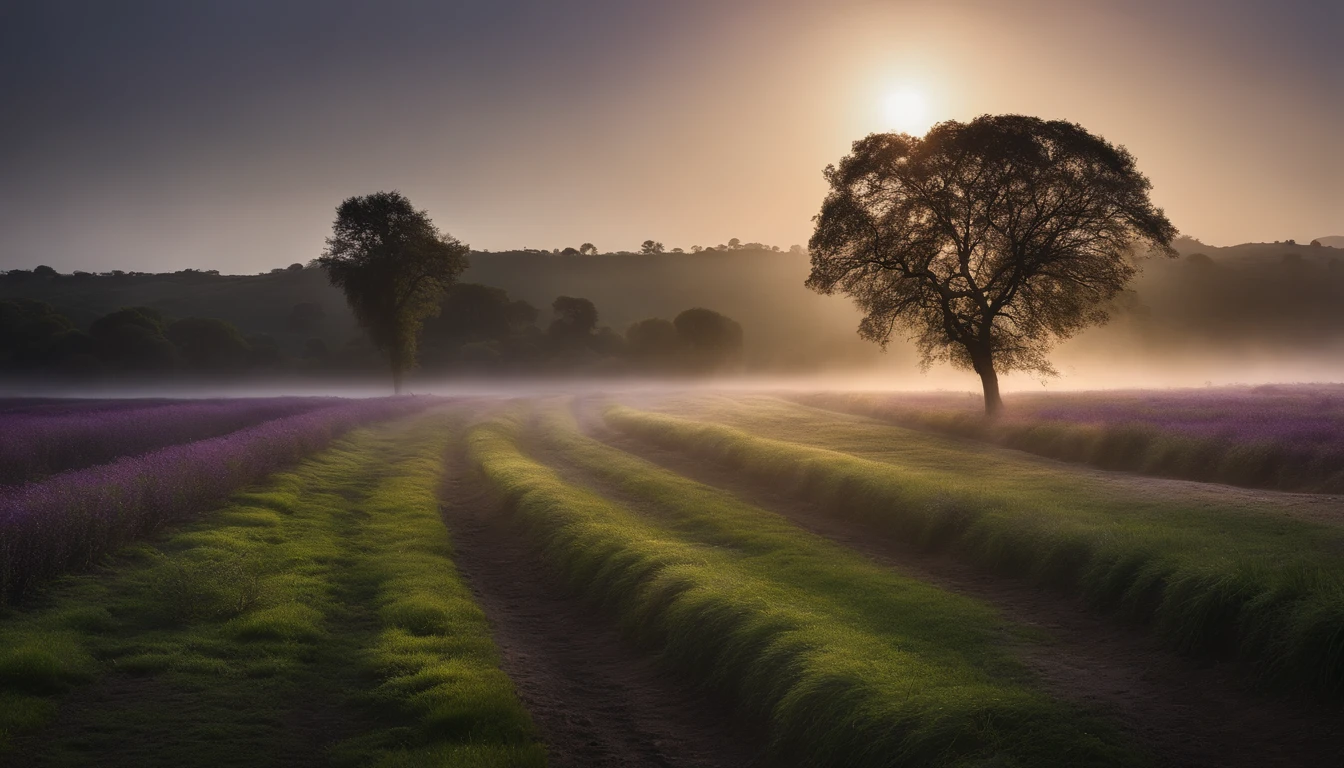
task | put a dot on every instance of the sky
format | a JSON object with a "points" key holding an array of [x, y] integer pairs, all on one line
{"points": [[158, 136]]}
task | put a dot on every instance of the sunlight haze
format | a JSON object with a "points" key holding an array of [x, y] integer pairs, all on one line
{"points": [[159, 136]]}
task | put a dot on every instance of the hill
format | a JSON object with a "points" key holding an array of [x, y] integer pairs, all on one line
{"points": [[1261, 298]]}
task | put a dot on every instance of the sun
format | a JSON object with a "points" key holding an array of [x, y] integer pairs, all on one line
{"points": [[906, 111]]}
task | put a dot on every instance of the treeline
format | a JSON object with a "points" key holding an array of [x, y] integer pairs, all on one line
{"points": [[479, 329]]}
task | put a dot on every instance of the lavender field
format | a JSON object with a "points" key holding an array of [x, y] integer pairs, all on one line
{"points": [[51, 438], [1285, 437], [131, 471]]}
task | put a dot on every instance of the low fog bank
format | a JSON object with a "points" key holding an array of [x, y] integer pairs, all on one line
{"points": [[1254, 313], [1096, 375]]}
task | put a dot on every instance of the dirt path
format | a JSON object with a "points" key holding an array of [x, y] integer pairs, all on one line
{"points": [[1189, 714], [597, 701]]}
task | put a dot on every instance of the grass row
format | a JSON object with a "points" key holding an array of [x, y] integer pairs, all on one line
{"points": [[319, 611], [1128, 447], [842, 663], [1268, 590]]}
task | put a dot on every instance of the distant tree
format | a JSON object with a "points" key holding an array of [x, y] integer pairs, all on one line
{"points": [[1315, 243], [394, 266], [588, 249], [570, 252], [33, 334], [651, 246], [607, 343], [988, 240], [473, 312], [677, 250], [696, 249], [734, 244], [653, 342], [1290, 241], [42, 270], [132, 338], [795, 249], [713, 340], [295, 267], [575, 319], [209, 344]]}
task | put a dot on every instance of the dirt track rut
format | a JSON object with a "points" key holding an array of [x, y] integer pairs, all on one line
{"points": [[597, 701]]}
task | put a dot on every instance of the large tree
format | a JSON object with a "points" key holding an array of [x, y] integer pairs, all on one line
{"points": [[987, 241], [394, 266]]}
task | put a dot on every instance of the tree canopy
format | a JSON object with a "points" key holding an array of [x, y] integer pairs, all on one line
{"points": [[394, 266], [988, 241]]}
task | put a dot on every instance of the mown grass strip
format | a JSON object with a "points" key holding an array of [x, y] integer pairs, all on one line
{"points": [[775, 624], [1264, 589], [320, 610]]}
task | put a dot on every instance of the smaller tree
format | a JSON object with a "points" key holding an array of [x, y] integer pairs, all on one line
{"points": [[570, 252], [209, 344], [651, 247], [394, 266], [575, 319], [696, 249], [588, 249], [734, 244], [713, 340]]}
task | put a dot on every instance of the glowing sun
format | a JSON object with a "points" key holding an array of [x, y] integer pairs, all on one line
{"points": [[906, 111]]}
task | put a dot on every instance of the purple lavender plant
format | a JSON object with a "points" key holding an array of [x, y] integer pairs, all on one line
{"points": [[41, 442], [70, 520]]}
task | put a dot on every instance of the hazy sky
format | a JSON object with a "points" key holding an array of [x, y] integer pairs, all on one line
{"points": [[158, 136]]}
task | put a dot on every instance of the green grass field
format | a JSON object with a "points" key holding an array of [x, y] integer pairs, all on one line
{"points": [[319, 611], [324, 617], [1211, 580]]}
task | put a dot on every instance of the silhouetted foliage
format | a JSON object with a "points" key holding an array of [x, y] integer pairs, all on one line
{"points": [[43, 270], [132, 338], [653, 341], [713, 341], [209, 345], [474, 312], [650, 247], [394, 266], [34, 334], [588, 249], [575, 319], [988, 240]]}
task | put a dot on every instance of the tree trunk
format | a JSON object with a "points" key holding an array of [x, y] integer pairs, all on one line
{"points": [[397, 357], [989, 380]]}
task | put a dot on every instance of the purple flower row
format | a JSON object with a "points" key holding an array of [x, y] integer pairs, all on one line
{"points": [[40, 443], [1289, 437], [69, 521]]}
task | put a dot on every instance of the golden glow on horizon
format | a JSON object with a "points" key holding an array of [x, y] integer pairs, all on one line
{"points": [[906, 111]]}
